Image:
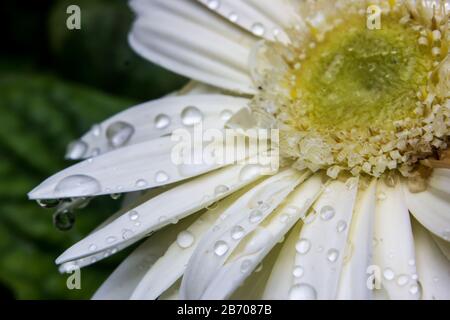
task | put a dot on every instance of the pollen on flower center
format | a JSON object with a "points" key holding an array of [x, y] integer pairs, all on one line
{"points": [[347, 97]]}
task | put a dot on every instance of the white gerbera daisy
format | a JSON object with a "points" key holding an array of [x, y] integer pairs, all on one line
{"points": [[360, 207]]}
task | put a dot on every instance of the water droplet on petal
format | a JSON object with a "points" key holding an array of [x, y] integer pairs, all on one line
{"points": [[191, 116], [402, 280], [381, 196], [388, 274], [255, 216], [119, 133], [302, 291], [233, 17], [327, 213], [127, 234], [115, 196], [221, 189], [237, 232], [133, 215], [76, 150], [246, 266], [332, 255], [111, 239], [79, 185], [213, 4], [226, 115], [341, 226], [162, 121], [92, 247], [258, 29], [250, 172], [96, 130], [141, 183], [298, 272], [185, 239], [220, 248], [161, 177], [303, 246]]}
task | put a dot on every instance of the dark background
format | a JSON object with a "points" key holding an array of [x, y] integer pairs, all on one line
{"points": [[55, 84]]}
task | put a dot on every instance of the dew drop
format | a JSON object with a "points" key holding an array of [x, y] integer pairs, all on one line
{"points": [[191, 116], [115, 196], [327, 213], [111, 239], [246, 266], [226, 115], [237, 232], [302, 291], [185, 239], [63, 220], [221, 189], [133, 215], [119, 133], [141, 183], [284, 218], [255, 216], [388, 274], [341, 226], [92, 247], [402, 280], [96, 130], [126, 234], [250, 172], [381, 196], [332, 255], [233, 17], [162, 121], [220, 248], [76, 150], [298, 271], [303, 246], [258, 29], [79, 185], [213, 4], [161, 177]]}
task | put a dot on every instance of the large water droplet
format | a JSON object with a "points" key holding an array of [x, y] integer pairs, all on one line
{"points": [[303, 246], [220, 248], [76, 150], [162, 121], [258, 29], [327, 213], [332, 255], [191, 116], [185, 239], [161, 177], [237, 232], [133, 215], [119, 133], [63, 220], [302, 291], [79, 185]]}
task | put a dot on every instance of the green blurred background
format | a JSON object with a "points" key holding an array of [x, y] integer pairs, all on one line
{"points": [[55, 84]]}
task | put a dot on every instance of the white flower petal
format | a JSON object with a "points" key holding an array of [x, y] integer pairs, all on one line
{"points": [[164, 209], [443, 245], [321, 247], [242, 218], [432, 206], [432, 266], [122, 282], [280, 281], [154, 119], [170, 267], [353, 281], [252, 250], [394, 243], [137, 167], [263, 18], [184, 37]]}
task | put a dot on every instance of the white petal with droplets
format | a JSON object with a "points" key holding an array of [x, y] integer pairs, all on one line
{"points": [[353, 282], [157, 118], [166, 208], [394, 249], [218, 244], [432, 266], [432, 206], [320, 248], [263, 18], [186, 38]]}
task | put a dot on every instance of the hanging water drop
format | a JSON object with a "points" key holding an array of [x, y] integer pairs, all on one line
{"points": [[64, 220], [48, 203]]}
